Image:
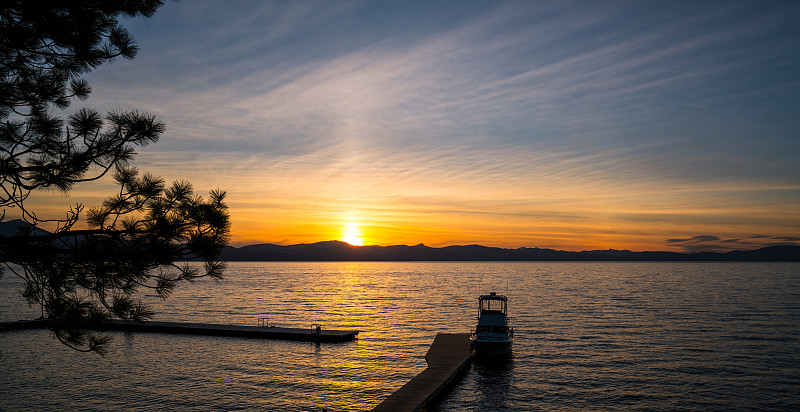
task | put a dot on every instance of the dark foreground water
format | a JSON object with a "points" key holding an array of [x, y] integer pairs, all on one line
{"points": [[599, 336]]}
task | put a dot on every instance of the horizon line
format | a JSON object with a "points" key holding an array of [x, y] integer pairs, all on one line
{"points": [[758, 247]]}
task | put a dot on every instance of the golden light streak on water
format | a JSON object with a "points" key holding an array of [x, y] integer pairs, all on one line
{"points": [[611, 336]]}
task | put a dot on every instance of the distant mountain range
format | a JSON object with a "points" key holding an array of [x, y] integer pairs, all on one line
{"points": [[340, 251], [17, 226]]}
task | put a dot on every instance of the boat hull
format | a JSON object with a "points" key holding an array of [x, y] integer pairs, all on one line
{"points": [[491, 348]]}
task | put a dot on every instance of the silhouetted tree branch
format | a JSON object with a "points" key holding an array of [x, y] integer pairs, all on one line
{"points": [[135, 237]]}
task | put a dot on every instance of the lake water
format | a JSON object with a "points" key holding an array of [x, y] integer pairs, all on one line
{"points": [[600, 336]]}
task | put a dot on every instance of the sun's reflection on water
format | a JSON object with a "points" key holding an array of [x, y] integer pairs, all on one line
{"points": [[589, 336]]}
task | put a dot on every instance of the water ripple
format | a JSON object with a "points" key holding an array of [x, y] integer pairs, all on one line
{"points": [[599, 336]]}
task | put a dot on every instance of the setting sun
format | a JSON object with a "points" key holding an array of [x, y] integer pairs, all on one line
{"points": [[352, 235]]}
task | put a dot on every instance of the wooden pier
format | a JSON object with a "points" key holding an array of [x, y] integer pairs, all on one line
{"points": [[310, 334], [448, 358]]}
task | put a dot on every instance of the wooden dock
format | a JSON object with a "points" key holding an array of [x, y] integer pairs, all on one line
{"points": [[448, 358], [209, 329]]}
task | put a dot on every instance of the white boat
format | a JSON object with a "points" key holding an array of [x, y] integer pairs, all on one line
{"points": [[492, 335]]}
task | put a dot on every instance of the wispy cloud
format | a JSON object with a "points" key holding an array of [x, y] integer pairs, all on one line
{"points": [[695, 239], [711, 243], [655, 119], [788, 238]]}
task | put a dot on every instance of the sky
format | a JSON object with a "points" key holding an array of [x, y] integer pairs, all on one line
{"points": [[573, 125]]}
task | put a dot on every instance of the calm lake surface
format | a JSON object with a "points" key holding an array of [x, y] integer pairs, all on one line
{"points": [[600, 336]]}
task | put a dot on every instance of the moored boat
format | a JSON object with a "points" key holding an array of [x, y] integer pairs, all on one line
{"points": [[492, 335]]}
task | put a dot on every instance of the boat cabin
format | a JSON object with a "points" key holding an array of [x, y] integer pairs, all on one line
{"points": [[493, 311], [493, 303]]}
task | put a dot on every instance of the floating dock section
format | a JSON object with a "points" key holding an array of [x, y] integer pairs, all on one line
{"points": [[311, 334], [448, 358]]}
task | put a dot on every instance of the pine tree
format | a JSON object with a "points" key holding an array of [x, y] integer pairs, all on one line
{"points": [[138, 236]]}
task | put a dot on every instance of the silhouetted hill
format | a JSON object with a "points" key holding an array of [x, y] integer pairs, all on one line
{"points": [[18, 226], [785, 253], [341, 251]]}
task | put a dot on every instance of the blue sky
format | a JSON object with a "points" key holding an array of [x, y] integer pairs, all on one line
{"points": [[573, 125]]}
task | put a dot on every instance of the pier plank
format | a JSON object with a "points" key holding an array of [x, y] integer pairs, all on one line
{"points": [[447, 358]]}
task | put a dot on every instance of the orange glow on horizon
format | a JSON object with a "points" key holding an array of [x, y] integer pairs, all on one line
{"points": [[369, 207]]}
